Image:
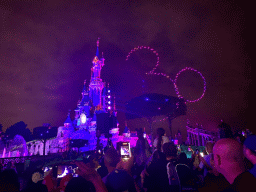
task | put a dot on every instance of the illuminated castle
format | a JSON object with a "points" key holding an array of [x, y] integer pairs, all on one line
{"points": [[96, 100]]}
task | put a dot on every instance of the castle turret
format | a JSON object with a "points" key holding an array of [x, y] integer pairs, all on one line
{"points": [[67, 129]]}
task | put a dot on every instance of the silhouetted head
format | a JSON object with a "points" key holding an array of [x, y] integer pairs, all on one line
{"points": [[160, 132], [158, 155], [111, 157], [169, 149], [79, 184], [140, 133], [183, 158]]}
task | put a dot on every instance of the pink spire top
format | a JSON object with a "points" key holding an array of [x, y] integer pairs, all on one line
{"points": [[98, 42]]}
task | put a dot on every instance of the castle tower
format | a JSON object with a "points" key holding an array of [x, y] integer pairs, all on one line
{"points": [[82, 112], [96, 85]]}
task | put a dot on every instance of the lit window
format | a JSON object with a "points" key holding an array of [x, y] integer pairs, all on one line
{"points": [[83, 118]]}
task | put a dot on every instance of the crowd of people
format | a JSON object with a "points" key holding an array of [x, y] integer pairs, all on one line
{"points": [[228, 165]]}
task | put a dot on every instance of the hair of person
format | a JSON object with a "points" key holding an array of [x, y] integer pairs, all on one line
{"points": [[169, 149], [112, 157], [183, 158], [160, 132], [141, 140], [158, 155], [79, 184], [140, 133]]}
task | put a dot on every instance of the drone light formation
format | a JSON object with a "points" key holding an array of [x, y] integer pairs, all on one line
{"points": [[167, 76]]}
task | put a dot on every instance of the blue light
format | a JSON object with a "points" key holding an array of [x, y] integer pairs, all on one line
{"points": [[147, 99], [108, 91], [166, 100]]}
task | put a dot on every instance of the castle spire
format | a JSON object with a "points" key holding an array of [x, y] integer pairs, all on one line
{"points": [[97, 52], [115, 103]]}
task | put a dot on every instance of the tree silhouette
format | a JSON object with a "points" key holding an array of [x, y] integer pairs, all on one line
{"points": [[44, 133], [19, 128]]}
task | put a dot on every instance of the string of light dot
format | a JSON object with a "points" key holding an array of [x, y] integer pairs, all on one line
{"points": [[167, 76]]}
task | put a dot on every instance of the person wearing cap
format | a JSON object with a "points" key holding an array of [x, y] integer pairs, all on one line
{"points": [[250, 152]]}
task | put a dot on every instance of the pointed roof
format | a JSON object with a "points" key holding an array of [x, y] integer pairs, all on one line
{"points": [[85, 87], [68, 120], [85, 95], [126, 129]]}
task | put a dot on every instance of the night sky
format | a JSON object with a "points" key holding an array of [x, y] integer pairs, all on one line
{"points": [[47, 47]]}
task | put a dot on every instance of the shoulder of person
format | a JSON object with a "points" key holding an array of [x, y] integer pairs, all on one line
{"points": [[246, 177], [244, 182]]}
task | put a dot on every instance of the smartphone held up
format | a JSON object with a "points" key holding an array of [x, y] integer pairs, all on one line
{"points": [[124, 150]]}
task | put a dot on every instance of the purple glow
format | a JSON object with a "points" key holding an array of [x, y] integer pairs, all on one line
{"points": [[109, 107]]}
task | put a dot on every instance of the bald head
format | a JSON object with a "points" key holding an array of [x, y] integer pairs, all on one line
{"points": [[228, 158], [229, 150]]}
